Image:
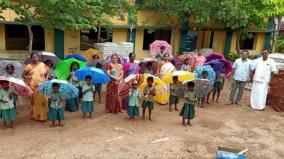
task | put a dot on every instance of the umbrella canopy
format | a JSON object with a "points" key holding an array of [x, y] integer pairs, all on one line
{"points": [[213, 56], [121, 58], [18, 67], [76, 56], [44, 56], [176, 62], [67, 90], [162, 95], [182, 76], [208, 69], [88, 54], [216, 65], [187, 57], [62, 69], [146, 61], [124, 88], [229, 67], [155, 47], [201, 86], [19, 85], [98, 75]]}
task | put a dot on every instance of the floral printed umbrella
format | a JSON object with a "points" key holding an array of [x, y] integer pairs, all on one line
{"points": [[201, 86], [208, 69], [176, 62], [145, 62], [156, 45], [18, 68], [213, 56], [19, 85], [124, 88]]}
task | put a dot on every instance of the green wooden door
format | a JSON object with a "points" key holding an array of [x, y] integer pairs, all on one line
{"points": [[59, 43]]}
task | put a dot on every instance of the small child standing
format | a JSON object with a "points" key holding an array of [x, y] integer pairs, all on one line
{"points": [[201, 93], [8, 110], [56, 111], [133, 101], [188, 111], [149, 92], [10, 72], [98, 87], [174, 99], [51, 74], [186, 65], [149, 68], [88, 97], [219, 84]]}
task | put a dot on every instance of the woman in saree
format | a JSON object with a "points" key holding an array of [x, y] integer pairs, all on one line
{"points": [[199, 59], [35, 73], [165, 66], [115, 71], [130, 68]]}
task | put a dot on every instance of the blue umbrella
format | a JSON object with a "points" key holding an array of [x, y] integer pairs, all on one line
{"points": [[217, 66], [98, 75], [76, 56], [208, 69], [67, 90]]}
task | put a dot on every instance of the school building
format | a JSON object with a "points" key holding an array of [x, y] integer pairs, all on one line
{"points": [[14, 37]]}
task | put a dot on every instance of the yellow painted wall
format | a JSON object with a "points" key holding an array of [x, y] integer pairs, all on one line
{"points": [[206, 42], [71, 40], [2, 37], [49, 40], [119, 35], [200, 39], [140, 53], [176, 43], [9, 15], [219, 41]]}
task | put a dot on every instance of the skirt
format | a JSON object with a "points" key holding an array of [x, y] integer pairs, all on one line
{"points": [[218, 86], [174, 99], [55, 114], [87, 107], [72, 104], [133, 111], [8, 114], [187, 111]]}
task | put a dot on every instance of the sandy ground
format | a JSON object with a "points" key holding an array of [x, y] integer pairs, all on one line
{"points": [[115, 137]]}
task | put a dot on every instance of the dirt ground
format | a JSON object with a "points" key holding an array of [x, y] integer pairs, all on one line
{"points": [[115, 137]]}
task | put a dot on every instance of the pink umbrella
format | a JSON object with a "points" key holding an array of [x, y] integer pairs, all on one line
{"points": [[213, 56], [156, 46], [124, 88], [19, 85]]}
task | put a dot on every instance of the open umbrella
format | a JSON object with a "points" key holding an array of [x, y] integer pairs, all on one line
{"points": [[124, 88], [67, 90], [76, 56], [176, 62], [208, 69], [98, 75], [216, 65], [88, 54], [162, 95], [182, 76], [44, 56], [19, 85], [18, 67], [145, 62], [62, 69], [121, 58], [213, 56], [229, 67], [155, 47], [187, 57], [201, 86]]}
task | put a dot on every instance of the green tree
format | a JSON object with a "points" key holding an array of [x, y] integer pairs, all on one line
{"points": [[4, 4]]}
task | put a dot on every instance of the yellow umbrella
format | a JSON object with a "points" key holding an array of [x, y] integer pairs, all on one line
{"points": [[182, 76], [162, 95], [90, 52]]}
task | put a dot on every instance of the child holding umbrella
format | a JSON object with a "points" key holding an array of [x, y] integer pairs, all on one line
{"points": [[88, 91]]}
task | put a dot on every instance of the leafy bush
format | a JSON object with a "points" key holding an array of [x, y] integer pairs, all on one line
{"points": [[232, 57], [279, 43]]}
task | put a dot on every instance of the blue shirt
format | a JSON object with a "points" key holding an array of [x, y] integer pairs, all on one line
{"points": [[242, 69], [134, 98], [88, 96]]}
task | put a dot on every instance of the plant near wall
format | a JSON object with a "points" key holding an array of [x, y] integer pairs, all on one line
{"points": [[279, 43]]}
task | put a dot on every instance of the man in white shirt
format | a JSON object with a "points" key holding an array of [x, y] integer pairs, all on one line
{"points": [[264, 69], [240, 72]]}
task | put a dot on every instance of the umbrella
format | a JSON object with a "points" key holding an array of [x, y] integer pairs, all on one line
{"points": [[66, 90], [44, 56], [208, 69], [145, 62], [62, 69], [127, 84], [201, 86], [187, 56], [18, 67], [216, 65], [88, 54], [176, 62], [229, 67], [19, 85], [121, 58], [98, 75], [182, 76], [162, 95], [156, 45], [76, 56], [213, 56]]}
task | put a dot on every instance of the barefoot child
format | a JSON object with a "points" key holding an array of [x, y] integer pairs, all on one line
{"points": [[186, 65], [188, 111], [219, 84], [10, 72], [8, 111], [201, 93], [133, 102], [174, 99], [98, 87], [149, 93], [88, 97], [56, 111]]}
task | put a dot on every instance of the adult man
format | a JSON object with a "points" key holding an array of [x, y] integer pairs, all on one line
{"points": [[264, 69], [241, 71]]}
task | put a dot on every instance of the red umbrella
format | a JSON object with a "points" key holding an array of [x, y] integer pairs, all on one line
{"points": [[124, 88], [19, 85]]}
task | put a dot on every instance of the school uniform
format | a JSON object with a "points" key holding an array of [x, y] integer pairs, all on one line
{"points": [[174, 99], [8, 111], [72, 104], [188, 110], [56, 111], [88, 99], [133, 103], [148, 102]]}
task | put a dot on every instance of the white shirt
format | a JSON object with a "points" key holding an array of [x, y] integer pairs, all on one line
{"points": [[242, 69], [263, 69]]}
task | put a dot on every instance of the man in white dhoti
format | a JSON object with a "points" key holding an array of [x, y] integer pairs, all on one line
{"points": [[264, 69]]}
